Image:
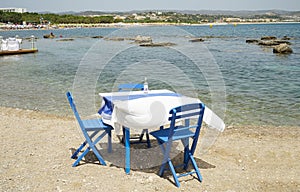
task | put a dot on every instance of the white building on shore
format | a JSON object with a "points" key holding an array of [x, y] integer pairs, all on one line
{"points": [[15, 10]]}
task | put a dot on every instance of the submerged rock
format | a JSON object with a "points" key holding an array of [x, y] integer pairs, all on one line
{"points": [[282, 49], [283, 42], [255, 41], [267, 38], [97, 37], [279, 45], [268, 43], [115, 38], [196, 40], [66, 39], [286, 38], [273, 42], [217, 37], [157, 44]]}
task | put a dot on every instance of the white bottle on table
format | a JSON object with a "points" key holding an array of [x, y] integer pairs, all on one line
{"points": [[146, 89]]}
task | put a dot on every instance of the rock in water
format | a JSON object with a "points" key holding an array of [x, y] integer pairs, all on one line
{"points": [[283, 49], [268, 38], [196, 40], [286, 38], [255, 41], [268, 43], [143, 39], [157, 44]]}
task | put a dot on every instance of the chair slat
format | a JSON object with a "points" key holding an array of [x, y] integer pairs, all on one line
{"points": [[185, 115], [130, 87], [187, 107], [180, 128]]}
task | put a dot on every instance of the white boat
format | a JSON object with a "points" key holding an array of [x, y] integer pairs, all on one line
{"points": [[12, 46]]}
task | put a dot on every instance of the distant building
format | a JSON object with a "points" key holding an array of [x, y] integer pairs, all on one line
{"points": [[118, 17], [15, 10], [232, 19]]}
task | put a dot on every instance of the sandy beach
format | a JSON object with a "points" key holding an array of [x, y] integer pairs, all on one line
{"points": [[36, 153]]}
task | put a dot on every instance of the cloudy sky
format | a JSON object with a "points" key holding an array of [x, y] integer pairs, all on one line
{"points": [[129, 5]]}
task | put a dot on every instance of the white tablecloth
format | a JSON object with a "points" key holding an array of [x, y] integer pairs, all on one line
{"points": [[139, 110]]}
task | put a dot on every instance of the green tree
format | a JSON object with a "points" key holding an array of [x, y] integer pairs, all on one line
{"points": [[6, 17], [31, 17]]}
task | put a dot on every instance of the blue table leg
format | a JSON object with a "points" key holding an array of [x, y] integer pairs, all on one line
{"points": [[127, 149]]}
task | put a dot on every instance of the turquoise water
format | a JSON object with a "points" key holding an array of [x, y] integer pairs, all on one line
{"points": [[243, 83]]}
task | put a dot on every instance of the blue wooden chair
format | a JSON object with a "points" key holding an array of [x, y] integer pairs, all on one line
{"points": [[135, 139], [93, 130], [185, 133]]}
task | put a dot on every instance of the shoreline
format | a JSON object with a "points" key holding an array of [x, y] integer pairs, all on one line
{"points": [[70, 115], [119, 25], [36, 157]]}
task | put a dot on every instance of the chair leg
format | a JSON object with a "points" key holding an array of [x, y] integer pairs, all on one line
{"points": [[80, 157], [92, 145], [196, 167], [185, 143], [94, 149], [163, 165], [123, 139], [140, 138], [74, 156], [148, 140], [145, 131], [98, 155], [109, 148], [142, 135], [166, 151], [162, 169], [174, 173]]}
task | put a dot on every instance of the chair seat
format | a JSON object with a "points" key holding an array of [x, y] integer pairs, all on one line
{"points": [[162, 134], [95, 124]]}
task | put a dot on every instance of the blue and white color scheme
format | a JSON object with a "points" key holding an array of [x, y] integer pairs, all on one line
{"points": [[138, 110]]}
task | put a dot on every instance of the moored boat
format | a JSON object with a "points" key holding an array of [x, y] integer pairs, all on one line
{"points": [[20, 51], [12, 46]]}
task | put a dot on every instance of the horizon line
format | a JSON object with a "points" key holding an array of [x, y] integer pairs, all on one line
{"points": [[174, 10]]}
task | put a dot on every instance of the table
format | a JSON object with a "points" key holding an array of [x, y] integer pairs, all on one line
{"points": [[137, 110]]}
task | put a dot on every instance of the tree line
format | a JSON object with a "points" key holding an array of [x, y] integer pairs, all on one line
{"points": [[50, 18]]}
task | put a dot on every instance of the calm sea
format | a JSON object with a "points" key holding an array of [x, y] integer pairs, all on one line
{"points": [[243, 83]]}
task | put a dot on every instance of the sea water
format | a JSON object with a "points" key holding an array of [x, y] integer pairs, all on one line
{"points": [[243, 83]]}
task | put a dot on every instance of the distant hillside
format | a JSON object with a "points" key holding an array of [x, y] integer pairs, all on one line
{"points": [[241, 13], [237, 13], [295, 13]]}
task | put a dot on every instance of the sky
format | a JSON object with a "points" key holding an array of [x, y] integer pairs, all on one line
{"points": [[56, 6]]}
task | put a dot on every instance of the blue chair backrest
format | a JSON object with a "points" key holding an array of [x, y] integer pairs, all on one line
{"points": [[130, 87], [73, 106], [186, 112]]}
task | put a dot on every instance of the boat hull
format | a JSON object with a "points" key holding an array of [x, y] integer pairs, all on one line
{"points": [[21, 51]]}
